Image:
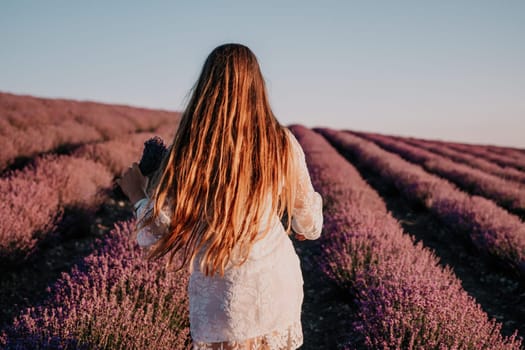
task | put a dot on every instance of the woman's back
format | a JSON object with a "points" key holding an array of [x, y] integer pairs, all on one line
{"points": [[232, 173], [264, 295]]}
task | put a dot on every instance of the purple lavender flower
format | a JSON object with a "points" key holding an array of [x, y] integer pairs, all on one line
{"points": [[403, 298]]}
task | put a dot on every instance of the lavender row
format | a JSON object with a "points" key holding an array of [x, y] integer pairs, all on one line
{"points": [[508, 152], [110, 120], [508, 194], [492, 230], [114, 299], [30, 125], [508, 173], [485, 149], [34, 199], [117, 154], [500, 159], [503, 156], [512, 157], [404, 299]]}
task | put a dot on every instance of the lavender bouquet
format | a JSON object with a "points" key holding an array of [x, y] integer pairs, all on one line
{"points": [[154, 151]]}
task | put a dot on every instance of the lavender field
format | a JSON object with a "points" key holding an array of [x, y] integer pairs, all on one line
{"points": [[423, 244]]}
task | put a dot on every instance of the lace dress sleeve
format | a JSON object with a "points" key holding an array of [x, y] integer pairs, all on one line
{"points": [[151, 233], [307, 214]]}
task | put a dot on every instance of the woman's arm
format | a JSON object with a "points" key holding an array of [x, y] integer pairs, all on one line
{"points": [[307, 214], [134, 186], [307, 220], [149, 234]]}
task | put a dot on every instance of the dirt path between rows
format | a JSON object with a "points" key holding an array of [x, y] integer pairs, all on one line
{"points": [[327, 310]]}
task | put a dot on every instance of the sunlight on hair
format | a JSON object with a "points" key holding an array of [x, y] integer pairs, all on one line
{"points": [[228, 154]]}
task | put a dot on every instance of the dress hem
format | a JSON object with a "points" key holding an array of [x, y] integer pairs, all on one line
{"points": [[289, 338]]}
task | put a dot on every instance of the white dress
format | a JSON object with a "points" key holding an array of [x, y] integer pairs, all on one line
{"points": [[258, 304]]}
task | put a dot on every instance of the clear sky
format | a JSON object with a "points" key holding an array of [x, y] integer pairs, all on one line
{"points": [[451, 70]]}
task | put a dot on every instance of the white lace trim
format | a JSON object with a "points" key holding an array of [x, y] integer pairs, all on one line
{"points": [[286, 339]]}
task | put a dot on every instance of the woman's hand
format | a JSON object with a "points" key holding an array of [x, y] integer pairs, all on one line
{"points": [[133, 183]]}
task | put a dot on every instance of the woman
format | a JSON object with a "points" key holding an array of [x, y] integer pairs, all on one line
{"points": [[218, 201]]}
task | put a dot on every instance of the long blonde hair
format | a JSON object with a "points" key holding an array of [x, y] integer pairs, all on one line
{"points": [[228, 154]]}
